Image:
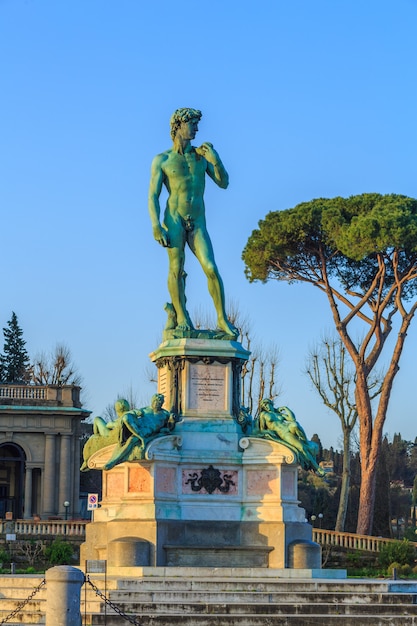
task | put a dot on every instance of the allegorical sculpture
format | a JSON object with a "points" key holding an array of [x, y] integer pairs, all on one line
{"points": [[281, 425], [132, 430], [182, 170]]}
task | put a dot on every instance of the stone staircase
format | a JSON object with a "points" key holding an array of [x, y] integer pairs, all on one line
{"points": [[14, 590], [223, 597]]}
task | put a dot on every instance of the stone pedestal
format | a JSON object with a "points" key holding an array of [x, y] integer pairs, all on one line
{"points": [[208, 494]]}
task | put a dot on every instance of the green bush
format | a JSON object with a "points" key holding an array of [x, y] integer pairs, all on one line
{"points": [[354, 559], [59, 552], [392, 566], [406, 570], [4, 556], [411, 533], [402, 570], [400, 552]]}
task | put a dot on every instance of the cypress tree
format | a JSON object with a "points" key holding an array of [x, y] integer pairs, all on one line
{"points": [[14, 362]]}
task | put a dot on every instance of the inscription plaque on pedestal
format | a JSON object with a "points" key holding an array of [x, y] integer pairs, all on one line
{"points": [[208, 387]]}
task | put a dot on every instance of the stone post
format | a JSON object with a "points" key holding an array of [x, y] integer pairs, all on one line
{"points": [[75, 476], [63, 596]]}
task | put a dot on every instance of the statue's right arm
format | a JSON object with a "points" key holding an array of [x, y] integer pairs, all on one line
{"points": [[155, 187]]}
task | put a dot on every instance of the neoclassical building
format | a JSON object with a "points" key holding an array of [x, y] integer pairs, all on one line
{"points": [[40, 450]]}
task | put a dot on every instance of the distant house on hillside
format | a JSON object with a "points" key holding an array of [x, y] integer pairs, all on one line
{"points": [[327, 466], [40, 450]]}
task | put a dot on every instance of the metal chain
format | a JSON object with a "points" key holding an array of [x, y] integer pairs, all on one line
{"points": [[132, 620], [24, 603]]}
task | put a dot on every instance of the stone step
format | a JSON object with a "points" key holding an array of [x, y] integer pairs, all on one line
{"points": [[267, 585], [134, 608], [32, 613], [20, 593], [28, 581], [14, 590], [207, 597], [258, 620], [195, 582]]}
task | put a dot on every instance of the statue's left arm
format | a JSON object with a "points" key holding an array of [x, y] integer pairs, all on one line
{"points": [[215, 167]]}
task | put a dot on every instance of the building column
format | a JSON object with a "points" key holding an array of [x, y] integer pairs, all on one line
{"points": [[65, 473], [27, 514], [76, 477], [49, 504]]}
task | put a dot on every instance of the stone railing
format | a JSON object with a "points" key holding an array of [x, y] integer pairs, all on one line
{"points": [[52, 527], [65, 395], [350, 540], [24, 392]]}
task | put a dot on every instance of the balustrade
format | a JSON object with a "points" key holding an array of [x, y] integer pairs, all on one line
{"points": [[24, 392], [350, 540], [49, 527]]}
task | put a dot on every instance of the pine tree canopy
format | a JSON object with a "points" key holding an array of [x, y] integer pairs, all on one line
{"points": [[14, 362]]}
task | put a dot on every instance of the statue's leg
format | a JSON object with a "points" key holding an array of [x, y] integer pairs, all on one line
{"points": [[201, 246], [100, 426], [122, 452], [176, 275]]}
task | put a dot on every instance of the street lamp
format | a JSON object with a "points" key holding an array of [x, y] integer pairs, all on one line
{"points": [[313, 519], [66, 506], [320, 516]]}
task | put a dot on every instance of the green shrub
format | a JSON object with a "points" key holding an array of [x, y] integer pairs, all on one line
{"points": [[392, 566], [354, 559], [4, 556], [411, 533], [406, 570], [362, 572], [402, 552], [59, 552]]}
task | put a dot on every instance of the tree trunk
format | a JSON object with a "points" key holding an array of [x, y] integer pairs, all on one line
{"points": [[344, 491], [366, 499]]}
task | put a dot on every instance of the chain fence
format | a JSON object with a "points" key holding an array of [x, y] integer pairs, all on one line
{"points": [[111, 604], [24, 602]]}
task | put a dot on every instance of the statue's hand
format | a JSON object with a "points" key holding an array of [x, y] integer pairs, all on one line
{"points": [[207, 151], [161, 236]]}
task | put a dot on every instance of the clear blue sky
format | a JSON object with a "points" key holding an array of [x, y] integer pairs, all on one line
{"points": [[302, 99]]}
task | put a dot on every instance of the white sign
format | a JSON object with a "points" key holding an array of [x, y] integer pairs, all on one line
{"points": [[92, 502]]}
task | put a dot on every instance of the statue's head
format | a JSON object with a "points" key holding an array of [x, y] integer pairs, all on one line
{"points": [[121, 406], [157, 401], [267, 404], [182, 116]]}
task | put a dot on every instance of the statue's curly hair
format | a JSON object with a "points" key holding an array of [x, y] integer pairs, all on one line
{"points": [[159, 397], [122, 406], [183, 115]]}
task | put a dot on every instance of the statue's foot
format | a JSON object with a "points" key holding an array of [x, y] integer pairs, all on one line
{"points": [[227, 327]]}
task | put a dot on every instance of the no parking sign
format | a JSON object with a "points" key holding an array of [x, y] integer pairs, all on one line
{"points": [[92, 502]]}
